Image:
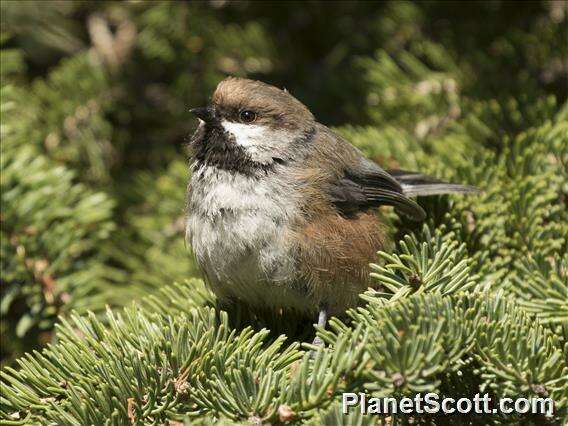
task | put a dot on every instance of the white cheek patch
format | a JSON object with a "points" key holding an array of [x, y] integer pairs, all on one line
{"points": [[246, 135]]}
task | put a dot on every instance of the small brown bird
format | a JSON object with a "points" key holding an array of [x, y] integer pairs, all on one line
{"points": [[281, 210]]}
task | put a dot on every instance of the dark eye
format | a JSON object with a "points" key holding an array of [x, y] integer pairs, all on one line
{"points": [[247, 116]]}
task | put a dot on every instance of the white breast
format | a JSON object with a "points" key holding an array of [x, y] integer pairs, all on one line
{"points": [[237, 227]]}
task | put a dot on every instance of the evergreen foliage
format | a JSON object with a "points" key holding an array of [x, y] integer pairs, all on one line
{"points": [[52, 228], [94, 100]]}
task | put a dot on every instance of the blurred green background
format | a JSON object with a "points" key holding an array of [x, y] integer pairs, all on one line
{"points": [[95, 110]]}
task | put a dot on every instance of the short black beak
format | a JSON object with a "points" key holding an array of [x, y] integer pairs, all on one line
{"points": [[206, 114]]}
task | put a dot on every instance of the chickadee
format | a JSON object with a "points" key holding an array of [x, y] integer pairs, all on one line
{"points": [[281, 210]]}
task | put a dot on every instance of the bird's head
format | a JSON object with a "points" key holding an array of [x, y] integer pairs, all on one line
{"points": [[250, 126]]}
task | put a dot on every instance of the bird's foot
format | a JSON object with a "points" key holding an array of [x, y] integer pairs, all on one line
{"points": [[322, 320], [317, 341]]}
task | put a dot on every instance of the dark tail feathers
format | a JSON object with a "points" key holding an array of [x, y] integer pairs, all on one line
{"points": [[416, 184]]}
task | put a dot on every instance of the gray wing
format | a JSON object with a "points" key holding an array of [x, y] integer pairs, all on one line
{"points": [[361, 184], [367, 186]]}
